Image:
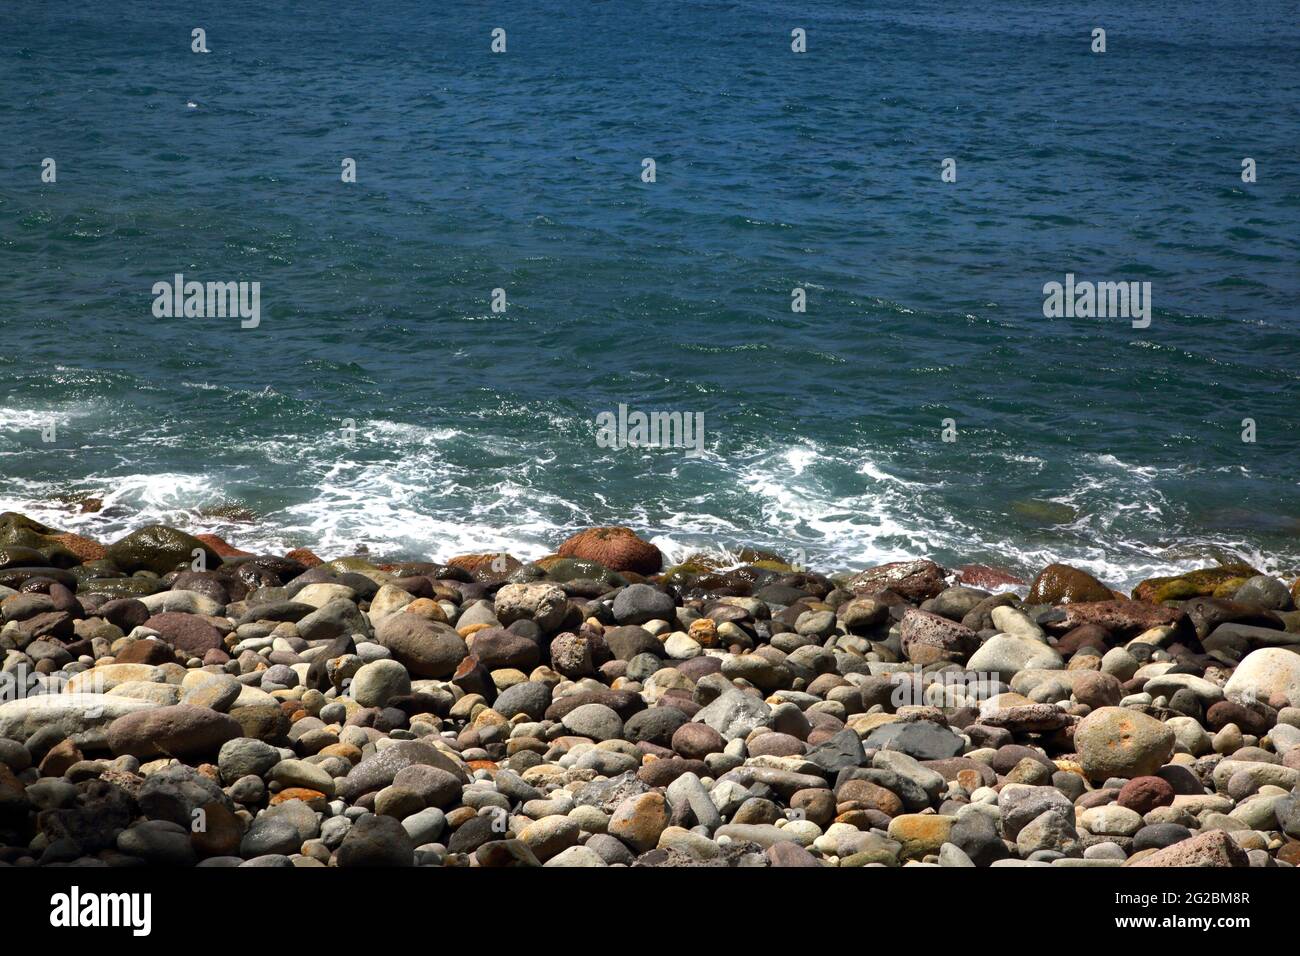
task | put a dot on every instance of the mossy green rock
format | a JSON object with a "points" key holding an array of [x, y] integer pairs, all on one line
{"points": [[1183, 587], [1228, 589], [1062, 584], [14, 577], [16, 556], [122, 587], [760, 557], [355, 564], [768, 564], [11, 521], [866, 857], [96, 569], [705, 561], [359, 565], [23, 534], [739, 580], [1175, 590], [684, 574], [572, 569], [159, 549], [524, 574]]}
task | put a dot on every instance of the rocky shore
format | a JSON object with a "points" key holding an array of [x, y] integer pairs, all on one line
{"points": [[172, 700]]}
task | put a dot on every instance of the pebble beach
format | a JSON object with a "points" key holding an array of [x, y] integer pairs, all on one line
{"points": [[172, 700]]}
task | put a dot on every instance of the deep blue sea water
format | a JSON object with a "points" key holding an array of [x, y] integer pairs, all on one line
{"points": [[1080, 439]]}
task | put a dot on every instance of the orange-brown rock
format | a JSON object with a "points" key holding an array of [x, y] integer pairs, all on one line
{"points": [[426, 608], [147, 651], [349, 752], [87, 549], [619, 549], [304, 556], [221, 832], [496, 564], [861, 819], [920, 833], [61, 757], [221, 546], [704, 632], [313, 798]]}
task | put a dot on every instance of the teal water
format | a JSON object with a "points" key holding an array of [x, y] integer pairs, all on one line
{"points": [[1077, 439]]}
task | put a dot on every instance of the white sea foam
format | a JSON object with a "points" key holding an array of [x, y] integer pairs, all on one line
{"points": [[410, 490], [16, 421]]}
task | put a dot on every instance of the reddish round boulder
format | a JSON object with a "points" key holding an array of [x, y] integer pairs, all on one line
{"points": [[619, 549], [1144, 794]]}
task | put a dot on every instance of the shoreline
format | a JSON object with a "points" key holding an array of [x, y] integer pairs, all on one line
{"points": [[598, 708], [240, 532]]}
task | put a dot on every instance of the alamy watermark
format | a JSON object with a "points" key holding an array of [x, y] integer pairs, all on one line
{"points": [[211, 300], [914, 688], [75, 909], [637, 429], [21, 682], [1102, 300]]}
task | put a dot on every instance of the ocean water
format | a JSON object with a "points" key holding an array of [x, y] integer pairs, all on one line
{"points": [[1078, 439]]}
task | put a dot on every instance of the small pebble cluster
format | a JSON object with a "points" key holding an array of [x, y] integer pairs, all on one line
{"points": [[172, 700]]}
